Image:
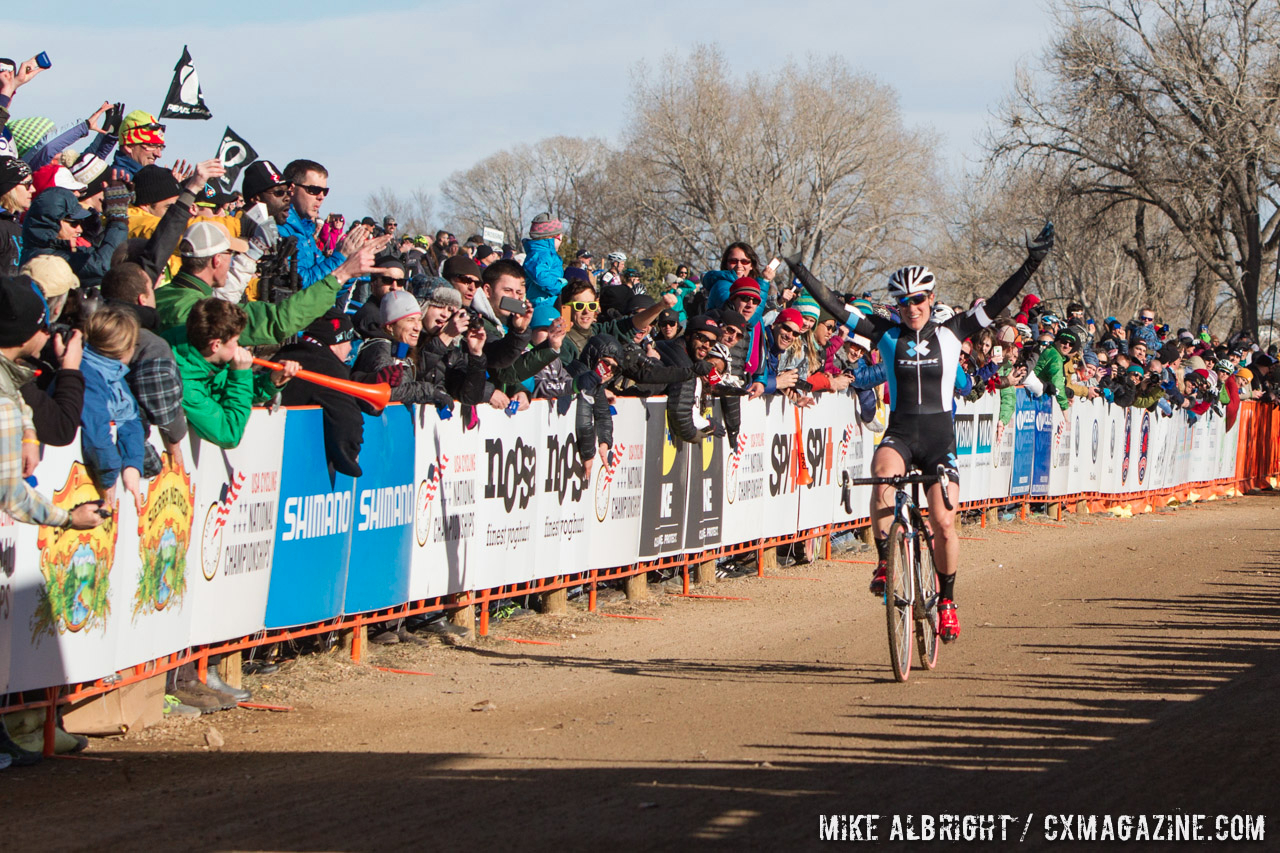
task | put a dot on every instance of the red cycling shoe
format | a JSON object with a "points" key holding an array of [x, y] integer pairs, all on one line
{"points": [[948, 621], [877, 578]]}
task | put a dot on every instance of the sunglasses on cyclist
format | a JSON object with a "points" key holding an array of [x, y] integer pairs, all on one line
{"points": [[914, 299], [319, 192], [585, 306]]}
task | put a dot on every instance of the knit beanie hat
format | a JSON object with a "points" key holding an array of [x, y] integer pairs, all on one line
{"points": [[29, 132], [12, 172], [333, 328], [460, 265], [152, 184], [808, 306], [141, 128], [745, 285], [23, 310], [545, 226], [444, 296], [544, 314], [397, 305]]}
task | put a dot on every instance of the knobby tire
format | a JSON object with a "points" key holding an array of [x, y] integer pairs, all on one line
{"points": [[897, 600]]}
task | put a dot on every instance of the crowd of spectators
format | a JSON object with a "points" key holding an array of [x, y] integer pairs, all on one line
{"points": [[136, 292]]}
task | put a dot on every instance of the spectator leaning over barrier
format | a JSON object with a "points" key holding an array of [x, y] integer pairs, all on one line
{"points": [[153, 373], [547, 327], [207, 250], [56, 395], [24, 331], [389, 354], [464, 274], [686, 417], [1049, 367], [667, 326], [112, 435], [776, 375], [590, 371], [441, 361], [1228, 390], [505, 280], [219, 387], [323, 348], [310, 184], [542, 262]]}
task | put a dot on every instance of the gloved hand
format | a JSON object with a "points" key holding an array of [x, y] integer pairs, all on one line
{"points": [[702, 369], [115, 202], [441, 400], [713, 428], [391, 374], [1108, 396], [1050, 390], [1040, 247], [588, 383]]}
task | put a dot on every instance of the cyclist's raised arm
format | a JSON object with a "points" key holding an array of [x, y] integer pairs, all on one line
{"points": [[873, 327], [1037, 249]]}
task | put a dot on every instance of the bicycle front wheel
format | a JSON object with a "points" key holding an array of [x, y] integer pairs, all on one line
{"points": [[926, 603], [898, 599]]}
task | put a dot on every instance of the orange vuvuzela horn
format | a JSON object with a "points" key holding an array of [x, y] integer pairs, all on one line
{"points": [[377, 395]]}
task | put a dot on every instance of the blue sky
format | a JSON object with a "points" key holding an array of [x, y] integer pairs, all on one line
{"points": [[402, 94]]}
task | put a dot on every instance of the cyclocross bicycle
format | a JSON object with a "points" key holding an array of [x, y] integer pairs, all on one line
{"points": [[910, 579]]}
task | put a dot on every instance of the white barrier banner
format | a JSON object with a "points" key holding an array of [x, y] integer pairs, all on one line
{"points": [[237, 500], [617, 493]]}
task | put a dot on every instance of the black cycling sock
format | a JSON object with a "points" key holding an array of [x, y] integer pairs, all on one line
{"points": [[882, 547], [947, 587]]}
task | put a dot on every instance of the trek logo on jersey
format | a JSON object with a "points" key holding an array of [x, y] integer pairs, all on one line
{"points": [[917, 348]]}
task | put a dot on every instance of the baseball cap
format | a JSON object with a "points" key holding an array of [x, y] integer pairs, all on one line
{"points": [[206, 239], [52, 273]]}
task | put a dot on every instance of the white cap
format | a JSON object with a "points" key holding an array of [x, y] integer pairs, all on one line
{"points": [[206, 239]]}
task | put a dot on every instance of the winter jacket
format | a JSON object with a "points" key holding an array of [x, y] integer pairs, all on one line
{"points": [[545, 270], [377, 354], [685, 417], [269, 323], [216, 398], [154, 377], [10, 242], [717, 284], [127, 163], [107, 401], [1049, 371], [312, 265], [342, 418], [56, 405], [453, 368], [40, 236], [1229, 396], [683, 290], [593, 423]]}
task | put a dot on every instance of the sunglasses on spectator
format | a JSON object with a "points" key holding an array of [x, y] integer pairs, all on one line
{"points": [[703, 338], [386, 279], [790, 330], [281, 191], [75, 223], [914, 299], [1147, 319], [152, 126], [467, 279], [733, 331], [311, 189], [585, 306], [669, 323], [739, 262], [750, 300]]}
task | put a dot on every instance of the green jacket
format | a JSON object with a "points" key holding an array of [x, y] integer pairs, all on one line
{"points": [[216, 398], [621, 330], [269, 323], [1049, 369]]}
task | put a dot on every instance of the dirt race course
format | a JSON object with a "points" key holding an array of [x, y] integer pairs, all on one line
{"points": [[1126, 666]]}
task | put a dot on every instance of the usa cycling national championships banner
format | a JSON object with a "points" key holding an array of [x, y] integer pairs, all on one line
{"points": [[265, 535]]}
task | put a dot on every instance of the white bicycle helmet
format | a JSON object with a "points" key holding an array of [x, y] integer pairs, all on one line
{"points": [[616, 257], [942, 313], [909, 281]]}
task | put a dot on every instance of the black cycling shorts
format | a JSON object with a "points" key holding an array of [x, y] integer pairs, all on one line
{"points": [[924, 442]]}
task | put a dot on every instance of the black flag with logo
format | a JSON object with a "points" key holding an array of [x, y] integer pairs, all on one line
{"points": [[185, 100], [235, 153]]}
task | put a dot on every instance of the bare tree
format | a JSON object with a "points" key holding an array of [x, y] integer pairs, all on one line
{"points": [[1172, 105], [814, 157], [414, 214]]}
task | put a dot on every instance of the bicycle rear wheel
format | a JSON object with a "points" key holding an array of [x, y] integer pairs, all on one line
{"points": [[926, 603], [897, 600]]}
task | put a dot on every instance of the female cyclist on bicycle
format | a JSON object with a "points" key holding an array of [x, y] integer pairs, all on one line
{"points": [[921, 358]]}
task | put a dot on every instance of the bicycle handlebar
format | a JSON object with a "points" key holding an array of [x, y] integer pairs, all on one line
{"points": [[900, 480]]}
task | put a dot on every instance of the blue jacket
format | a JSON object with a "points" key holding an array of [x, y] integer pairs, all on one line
{"points": [[544, 268], [127, 163], [312, 264], [107, 398], [717, 284]]}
